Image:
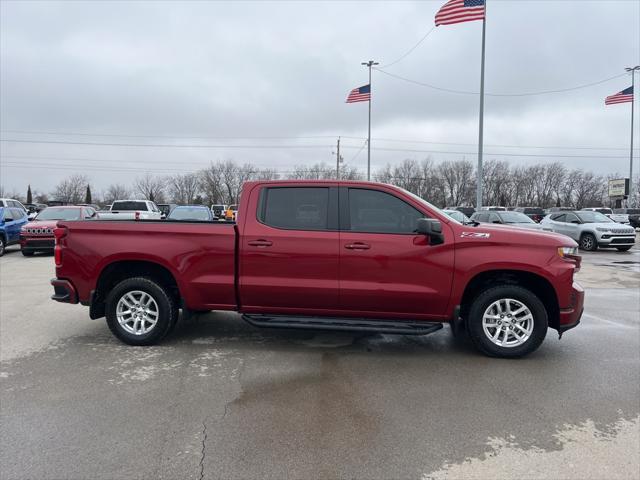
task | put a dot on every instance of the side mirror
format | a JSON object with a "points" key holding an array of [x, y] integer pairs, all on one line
{"points": [[577, 222], [432, 228], [496, 221]]}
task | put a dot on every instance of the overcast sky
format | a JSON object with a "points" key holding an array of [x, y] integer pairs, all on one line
{"points": [[283, 69]]}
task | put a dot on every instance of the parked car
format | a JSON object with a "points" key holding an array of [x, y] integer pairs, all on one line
{"points": [[458, 215], [11, 221], [132, 210], [12, 203], [33, 209], [359, 265], [632, 216], [194, 213], [219, 210], [609, 213], [591, 230], [468, 211], [534, 213], [37, 235], [494, 208], [514, 219], [166, 208]]}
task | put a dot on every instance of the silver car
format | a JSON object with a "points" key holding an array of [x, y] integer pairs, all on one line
{"points": [[591, 230], [513, 219]]}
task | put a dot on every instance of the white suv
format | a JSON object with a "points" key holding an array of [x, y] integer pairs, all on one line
{"points": [[591, 230], [11, 203]]}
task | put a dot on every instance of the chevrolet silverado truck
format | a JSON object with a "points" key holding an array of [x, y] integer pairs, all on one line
{"points": [[132, 210], [332, 255]]}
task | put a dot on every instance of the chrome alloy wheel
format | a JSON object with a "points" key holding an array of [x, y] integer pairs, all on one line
{"points": [[507, 322], [137, 312]]}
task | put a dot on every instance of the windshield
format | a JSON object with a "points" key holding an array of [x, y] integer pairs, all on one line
{"points": [[593, 217], [515, 217], [187, 213], [59, 214], [458, 216]]}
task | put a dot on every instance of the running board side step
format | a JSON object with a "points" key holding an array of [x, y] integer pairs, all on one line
{"points": [[398, 327]]}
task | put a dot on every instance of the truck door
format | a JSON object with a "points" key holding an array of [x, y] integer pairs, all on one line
{"points": [[387, 270], [289, 250]]}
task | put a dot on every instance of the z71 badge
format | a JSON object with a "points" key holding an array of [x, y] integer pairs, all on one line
{"points": [[475, 235]]}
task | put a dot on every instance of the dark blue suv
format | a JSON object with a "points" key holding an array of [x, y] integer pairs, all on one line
{"points": [[11, 221]]}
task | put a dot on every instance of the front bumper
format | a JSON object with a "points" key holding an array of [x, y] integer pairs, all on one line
{"points": [[616, 240], [37, 244], [64, 291], [570, 316]]}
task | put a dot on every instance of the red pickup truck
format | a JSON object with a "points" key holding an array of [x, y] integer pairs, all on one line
{"points": [[354, 256]]}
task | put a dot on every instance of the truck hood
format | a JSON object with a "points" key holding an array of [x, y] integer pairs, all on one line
{"points": [[508, 234]]}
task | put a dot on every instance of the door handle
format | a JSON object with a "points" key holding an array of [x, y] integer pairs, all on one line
{"points": [[357, 246], [260, 243]]}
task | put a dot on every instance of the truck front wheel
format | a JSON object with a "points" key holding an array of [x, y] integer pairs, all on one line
{"points": [[140, 311], [507, 321]]}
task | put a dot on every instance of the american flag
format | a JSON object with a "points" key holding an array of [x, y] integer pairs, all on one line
{"points": [[624, 96], [458, 11], [360, 94]]}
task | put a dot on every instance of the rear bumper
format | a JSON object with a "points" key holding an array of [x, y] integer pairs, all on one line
{"points": [[570, 316], [63, 291]]}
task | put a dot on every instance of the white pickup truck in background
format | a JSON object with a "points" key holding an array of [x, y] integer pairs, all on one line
{"points": [[132, 210]]}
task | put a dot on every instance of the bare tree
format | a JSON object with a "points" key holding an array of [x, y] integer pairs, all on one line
{"points": [[115, 191], [456, 177], [71, 189], [151, 187], [183, 189]]}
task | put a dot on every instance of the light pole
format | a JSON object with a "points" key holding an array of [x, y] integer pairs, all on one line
{"points": [[632, 70], [369, 64]]}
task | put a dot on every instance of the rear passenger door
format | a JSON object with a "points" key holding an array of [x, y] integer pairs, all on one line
{"points": [[386, 269], [289, 252]]}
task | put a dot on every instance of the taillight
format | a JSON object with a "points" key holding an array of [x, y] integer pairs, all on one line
{"points": [[58, 233], [136, 216]]}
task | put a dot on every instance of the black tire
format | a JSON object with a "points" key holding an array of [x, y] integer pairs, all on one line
{"points": [[27, 253], [624, 249], [166, 306], [588, 242], [484, 300], [2, 245]]}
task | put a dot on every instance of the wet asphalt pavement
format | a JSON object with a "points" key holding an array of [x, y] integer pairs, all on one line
{"points": [[221, 399]]}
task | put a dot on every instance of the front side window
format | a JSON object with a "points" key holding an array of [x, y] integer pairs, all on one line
{"points": [[296, 208], [593, 217], [571, 218], [494, 218], [8, 216], [374, 211]]}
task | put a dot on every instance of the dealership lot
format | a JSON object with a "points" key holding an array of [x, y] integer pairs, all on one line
{"points": [[221, 399]]}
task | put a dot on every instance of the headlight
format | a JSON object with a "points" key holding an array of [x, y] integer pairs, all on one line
{"points": [[603, 229], [568, 251]]}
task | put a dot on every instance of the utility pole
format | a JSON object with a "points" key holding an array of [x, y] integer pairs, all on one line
{"points": [[339, 160], [632, 70], [369, 64]]}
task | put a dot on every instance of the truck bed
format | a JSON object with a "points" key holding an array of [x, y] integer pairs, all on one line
{"points": [[199, 255]]}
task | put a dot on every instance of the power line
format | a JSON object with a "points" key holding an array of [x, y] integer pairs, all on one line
{"points": [[526, 94], [191, 137], [410, 50], [35, 132], [166, 145], [358, 152]]}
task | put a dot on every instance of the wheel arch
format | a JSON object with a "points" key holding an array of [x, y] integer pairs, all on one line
{"points": [[114, 272], [537, 284]]}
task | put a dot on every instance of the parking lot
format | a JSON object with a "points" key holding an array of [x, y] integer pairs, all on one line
{"points": [[221, 399]]}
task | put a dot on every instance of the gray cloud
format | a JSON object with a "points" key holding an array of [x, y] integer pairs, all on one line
{"points": [[284, 68]]}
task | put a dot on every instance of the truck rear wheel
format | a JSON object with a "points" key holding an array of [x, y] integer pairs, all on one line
{"points": [[139, 311], [507, 321]]}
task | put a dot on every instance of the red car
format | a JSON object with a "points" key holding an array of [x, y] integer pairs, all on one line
{"points": [[355, 256], [37, 235]]}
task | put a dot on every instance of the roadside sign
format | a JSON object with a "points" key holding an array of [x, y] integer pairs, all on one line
{"points": [[619, 187]]}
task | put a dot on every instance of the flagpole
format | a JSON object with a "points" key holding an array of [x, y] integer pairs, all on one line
{"points": [[369, 64], [633, 98], [481, 122]]}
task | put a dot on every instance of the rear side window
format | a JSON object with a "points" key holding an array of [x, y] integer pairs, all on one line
{"points": [[374, 211], [129, 206], [296, 208]]}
